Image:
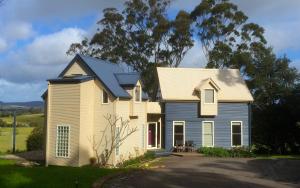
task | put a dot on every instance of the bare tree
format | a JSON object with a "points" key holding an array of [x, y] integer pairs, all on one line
{"points": [[114, 134]]}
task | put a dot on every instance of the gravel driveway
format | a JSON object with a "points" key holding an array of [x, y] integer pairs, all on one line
{"points": [[196, 171]]}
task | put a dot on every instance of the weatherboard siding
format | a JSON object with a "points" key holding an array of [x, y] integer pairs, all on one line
{"points": [[188, 112]]}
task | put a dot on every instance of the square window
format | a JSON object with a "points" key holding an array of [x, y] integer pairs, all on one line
{"points": [[209, 96]]}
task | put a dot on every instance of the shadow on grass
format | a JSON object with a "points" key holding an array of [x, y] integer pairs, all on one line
{"points": [[53, 176]]}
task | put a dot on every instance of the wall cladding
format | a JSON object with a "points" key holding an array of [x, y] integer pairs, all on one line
{"points": [[188, 112]]}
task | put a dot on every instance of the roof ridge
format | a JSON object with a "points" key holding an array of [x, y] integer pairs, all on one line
{"points": [[128, 73], [193, 68], [97, 59]]}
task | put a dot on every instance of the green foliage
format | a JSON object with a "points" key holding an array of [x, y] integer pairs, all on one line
{"points": [[35, 140], [49, 177], [221, 152], [3, 123], [25, 120], [225, 33], [279, 123], [149, 155], [6, 138], [142, 36]]}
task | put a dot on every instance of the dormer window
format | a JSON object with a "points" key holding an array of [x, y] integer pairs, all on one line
{"points": [[104, 97], [209, 96], [138, 94]]}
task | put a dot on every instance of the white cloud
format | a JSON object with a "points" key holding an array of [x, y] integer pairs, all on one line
{"points": [[3, 45], [284, 37], [10, 91], [51, 49], [40, 60], [15, 30]]}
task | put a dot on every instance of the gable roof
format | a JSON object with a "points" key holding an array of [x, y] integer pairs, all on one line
{"points": [[180, 83], [104, 71], [128, 79]]}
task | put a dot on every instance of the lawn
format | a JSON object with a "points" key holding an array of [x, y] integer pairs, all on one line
{"points": [[27, 119], [296, 157], [6, 138], [48, 177]]}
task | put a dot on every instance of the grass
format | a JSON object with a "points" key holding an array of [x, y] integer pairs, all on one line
{"points": [[48, 177], [26, 119], [138, 161], [296, 157], [6, 138], [222, 152]]}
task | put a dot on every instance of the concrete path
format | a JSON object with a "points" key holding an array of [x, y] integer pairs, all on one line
{"points": [[198, 172]]}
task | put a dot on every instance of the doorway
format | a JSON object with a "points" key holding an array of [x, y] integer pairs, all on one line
{"points": [[153, 135]]}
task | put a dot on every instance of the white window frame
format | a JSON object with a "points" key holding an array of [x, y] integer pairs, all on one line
{"points": [[134, 91], [156, 129], [214, 98], [103, 91], [213, 133], [241, 122], [174, 131], [56, 144]]}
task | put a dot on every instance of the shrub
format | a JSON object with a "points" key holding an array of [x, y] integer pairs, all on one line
{"points": [[262, 149], [93, 161], [149, 155], [222, 152], [35, 140]]}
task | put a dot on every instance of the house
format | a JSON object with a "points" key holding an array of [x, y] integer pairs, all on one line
{"points": [[210, 107]]}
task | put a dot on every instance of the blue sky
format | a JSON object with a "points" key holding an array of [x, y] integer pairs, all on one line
{"points": [[35, 35]]}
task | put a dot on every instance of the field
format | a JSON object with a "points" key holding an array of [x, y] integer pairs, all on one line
{"points": [[6, 138], [26, 119], [47, 177]]}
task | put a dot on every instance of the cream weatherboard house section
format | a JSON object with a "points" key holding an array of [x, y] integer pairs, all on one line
{"points": [[207, 107]]}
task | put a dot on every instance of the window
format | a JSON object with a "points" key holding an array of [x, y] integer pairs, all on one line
{"points": [[62, 141], [236, 133], [137, 93], [117, 140], [208, 133], [178, 133], [209, 96], [104, 97]]}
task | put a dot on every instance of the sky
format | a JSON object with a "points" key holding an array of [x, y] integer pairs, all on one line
{"points": [[35, 35]]}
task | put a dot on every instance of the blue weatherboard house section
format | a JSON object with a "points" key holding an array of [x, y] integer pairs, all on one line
{"points": [[204, 108], [188, 112]]}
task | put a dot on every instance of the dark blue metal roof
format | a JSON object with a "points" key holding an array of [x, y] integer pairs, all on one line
{"points": [[128, 79], [105, 71], [109, 74]]}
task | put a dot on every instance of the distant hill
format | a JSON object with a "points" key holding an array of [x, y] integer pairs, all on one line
{"points": [[29, 104]]}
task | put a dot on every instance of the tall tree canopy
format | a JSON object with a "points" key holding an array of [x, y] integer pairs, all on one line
{"points": [[142, 36], [229, 41]]}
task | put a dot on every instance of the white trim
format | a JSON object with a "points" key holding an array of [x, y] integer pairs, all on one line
{"points": [[56, 143], [241, 133], [147, 145], [213, 133], [214, 95], [140, 94], [183, 131], [102, 98]]}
